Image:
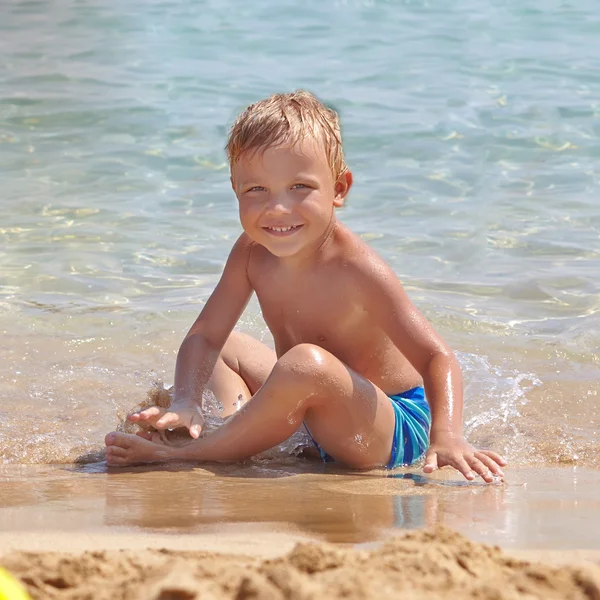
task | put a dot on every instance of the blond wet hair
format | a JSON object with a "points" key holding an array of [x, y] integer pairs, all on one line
{"points": [[288, 119]]}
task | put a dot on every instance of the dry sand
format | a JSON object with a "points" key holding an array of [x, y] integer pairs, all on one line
{"points": [[421, 564]]}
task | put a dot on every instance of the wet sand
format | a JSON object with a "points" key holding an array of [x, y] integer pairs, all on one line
{"points": [[260, 511]]}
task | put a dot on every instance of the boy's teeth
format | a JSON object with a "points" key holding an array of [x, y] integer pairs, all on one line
{"points": [[281, 228]]}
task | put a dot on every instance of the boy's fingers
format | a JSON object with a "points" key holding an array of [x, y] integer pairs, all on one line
{"points": [[460, 464], [492, 465], [143, 415], [167, 420], [148, 413], [495, 457], [481, 469], [431, 463], [195, 428]]}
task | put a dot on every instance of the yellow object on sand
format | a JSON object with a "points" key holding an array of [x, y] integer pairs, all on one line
{"points": [[10, 588]]}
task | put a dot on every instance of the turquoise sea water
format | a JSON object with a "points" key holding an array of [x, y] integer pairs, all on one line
{"points": [[472, 129]]}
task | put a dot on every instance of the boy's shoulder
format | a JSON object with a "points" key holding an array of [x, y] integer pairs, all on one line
{"points": [[360, 259], [253, 256], [245, 248]]}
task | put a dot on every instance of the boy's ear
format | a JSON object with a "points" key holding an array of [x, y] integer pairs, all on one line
{"points": [[341, 188]]}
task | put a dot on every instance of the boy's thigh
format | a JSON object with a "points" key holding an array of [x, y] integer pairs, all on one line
{"points": [[250, 358], [354, 422]]}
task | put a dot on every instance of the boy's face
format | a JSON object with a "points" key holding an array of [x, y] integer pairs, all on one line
{"points": [[287, 196]]}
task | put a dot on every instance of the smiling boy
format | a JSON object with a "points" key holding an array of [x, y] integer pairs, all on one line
{"points": [[352, 353]]}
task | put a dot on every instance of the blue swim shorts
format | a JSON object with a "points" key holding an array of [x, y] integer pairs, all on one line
{"points": [[411, 430]]}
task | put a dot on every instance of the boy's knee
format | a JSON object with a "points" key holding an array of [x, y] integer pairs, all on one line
{"points": [[306, 361]]}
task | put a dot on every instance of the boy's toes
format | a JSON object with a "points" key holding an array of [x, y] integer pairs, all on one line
{"points": [[115, 461], [115, 438], [114, 451]]}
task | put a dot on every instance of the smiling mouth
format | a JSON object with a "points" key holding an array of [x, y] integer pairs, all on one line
{"points": [[279, 231]]}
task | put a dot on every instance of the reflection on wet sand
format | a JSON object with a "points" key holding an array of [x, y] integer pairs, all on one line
{"points": [[534, 508], [323, 506], [335, 505]]}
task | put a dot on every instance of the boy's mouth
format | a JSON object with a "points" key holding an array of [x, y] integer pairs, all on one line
{"points": [[282, 231]]}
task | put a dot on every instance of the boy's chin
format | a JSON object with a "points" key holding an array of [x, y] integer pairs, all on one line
{"points": [[283, 249], [280, 251]]}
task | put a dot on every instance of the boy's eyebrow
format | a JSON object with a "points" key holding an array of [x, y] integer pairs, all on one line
{"points": [[246, 182], [306, 177], [300, 177]]}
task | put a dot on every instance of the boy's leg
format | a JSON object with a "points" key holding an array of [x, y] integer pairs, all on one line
{"points": [[243, 366], [348, 416]]}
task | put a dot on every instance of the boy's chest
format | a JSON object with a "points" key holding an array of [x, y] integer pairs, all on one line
{"points": [[312, 310]]}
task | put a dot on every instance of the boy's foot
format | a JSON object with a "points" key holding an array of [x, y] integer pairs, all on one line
{"points": [[123, 449]]}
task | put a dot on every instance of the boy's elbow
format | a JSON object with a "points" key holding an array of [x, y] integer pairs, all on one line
{"points": [[443, 360], [194, 339]]}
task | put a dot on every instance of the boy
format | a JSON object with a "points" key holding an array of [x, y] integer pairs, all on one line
{"points": [[351, 351]]}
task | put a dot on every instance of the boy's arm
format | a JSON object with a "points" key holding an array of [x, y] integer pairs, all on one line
{"points": [[201, 346], [204, 341], [432, 358]]}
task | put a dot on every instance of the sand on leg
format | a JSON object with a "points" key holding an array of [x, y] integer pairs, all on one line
{"points": [[348, 416]]}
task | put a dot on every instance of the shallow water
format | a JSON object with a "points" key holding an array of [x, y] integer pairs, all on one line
{"points": [[472, 130]]}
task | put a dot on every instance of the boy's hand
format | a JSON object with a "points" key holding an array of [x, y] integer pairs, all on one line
{"points": [[179, 414], [449, 449]]}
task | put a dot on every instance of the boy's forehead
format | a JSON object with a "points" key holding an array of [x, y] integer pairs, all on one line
{"points": [[306, 154]]}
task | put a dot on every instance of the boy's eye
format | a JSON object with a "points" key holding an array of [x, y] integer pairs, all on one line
{"points": [[256, 188], [299, 186]]}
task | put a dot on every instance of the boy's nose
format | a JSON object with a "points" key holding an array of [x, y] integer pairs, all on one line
{"points": [[279, 204]]}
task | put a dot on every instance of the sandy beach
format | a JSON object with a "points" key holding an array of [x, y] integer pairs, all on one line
{"points": [[472, 130], [298, 531]]}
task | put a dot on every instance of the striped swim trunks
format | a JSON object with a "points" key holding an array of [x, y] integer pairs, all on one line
{"points": [[411, 432], [411, 429]]}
